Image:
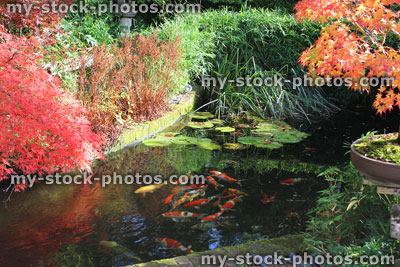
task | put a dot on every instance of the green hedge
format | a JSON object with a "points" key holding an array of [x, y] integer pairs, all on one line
{"points": [[251, 42]]}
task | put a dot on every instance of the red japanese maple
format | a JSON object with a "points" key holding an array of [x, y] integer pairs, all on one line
{"points": [[37, 18], [43, 129], [352, 44]]}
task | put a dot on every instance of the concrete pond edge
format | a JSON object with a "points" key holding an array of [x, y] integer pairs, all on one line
{"points": [[141, 131], [281, 246]]}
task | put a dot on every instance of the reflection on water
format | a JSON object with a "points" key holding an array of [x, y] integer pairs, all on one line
{"points": [[65, 225]]}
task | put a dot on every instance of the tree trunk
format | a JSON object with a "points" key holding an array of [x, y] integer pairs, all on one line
{"points": [[398, 137]]}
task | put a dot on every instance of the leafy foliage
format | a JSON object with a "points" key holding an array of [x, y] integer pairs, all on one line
{"points": [[43, 128], [39, 21], [249, 43], [342, 222], [129, 83], [352, 44]]}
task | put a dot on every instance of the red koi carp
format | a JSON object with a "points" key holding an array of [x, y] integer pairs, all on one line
{"points": [[170, 243]]}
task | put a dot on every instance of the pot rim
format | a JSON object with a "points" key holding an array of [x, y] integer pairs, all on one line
{"points": [[375, 161]]}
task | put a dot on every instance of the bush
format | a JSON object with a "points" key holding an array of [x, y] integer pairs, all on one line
{"points": [[131, 82], [197, 45], [43, 128], [254, 43], [342, 222], [287, 5]]}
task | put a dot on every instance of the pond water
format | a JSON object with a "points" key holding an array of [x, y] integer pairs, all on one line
{"points": [[67, 225]]}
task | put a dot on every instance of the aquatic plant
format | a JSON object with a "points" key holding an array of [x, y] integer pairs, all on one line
{"points": [[267, 134]]}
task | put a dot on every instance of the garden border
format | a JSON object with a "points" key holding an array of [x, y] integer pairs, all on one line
{"points": [[138, 132]]}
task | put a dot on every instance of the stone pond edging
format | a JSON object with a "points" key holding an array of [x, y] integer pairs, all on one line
{"points": [[282, 246], [141, 131]]}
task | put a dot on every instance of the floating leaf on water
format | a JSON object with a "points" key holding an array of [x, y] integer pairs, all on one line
{"points": [[225, 129], [300, 135], [200, 125], [204, 141], [267, 126], [237, 134], [184, 140], [210, 146], [250, 140], [167, 134], [242, 126], [202, 115], [266, 134], [255, 118], [158, 142], [269, 145], [287, 138], [217, 121], [234, 146]]}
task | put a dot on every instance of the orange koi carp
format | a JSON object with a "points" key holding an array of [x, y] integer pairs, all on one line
{"points": [[212, 181], [169, 198], [223, 177], [212, 217], [199, 202], [176, 215], [230, 204], [170, 243], [234, 191], [267, 199], [291, 181]]}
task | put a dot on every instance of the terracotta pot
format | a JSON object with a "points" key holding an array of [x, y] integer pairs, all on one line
{"points": [[380, 171]]}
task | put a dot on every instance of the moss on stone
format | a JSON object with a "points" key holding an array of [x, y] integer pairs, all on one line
{"points": [[141, 131], [381, 147]]}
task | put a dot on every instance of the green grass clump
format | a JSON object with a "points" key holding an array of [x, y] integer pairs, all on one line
{"points": [[250, 43]]}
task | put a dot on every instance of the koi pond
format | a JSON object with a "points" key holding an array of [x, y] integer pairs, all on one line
{"points": [[90, 225]]}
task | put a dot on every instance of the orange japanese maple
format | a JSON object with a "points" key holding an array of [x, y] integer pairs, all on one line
{"points": [[352, 44]]}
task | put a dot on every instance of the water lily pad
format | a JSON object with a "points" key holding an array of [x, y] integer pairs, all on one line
{"points": [[286, 138], [210, 146], [269, 145], [184, 140], [250, 140], [267, 126], [204, 141], [300, 134], [217, 121], [202, 115], [225, 129], [234, 146], [200, 125], [157, 142], [167, 134]]}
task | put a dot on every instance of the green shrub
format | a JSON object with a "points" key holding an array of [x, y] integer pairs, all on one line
{"points": [[351, 218], [237, 4], [197, 46], [259, 39], [90, 30], [258, 43]]}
